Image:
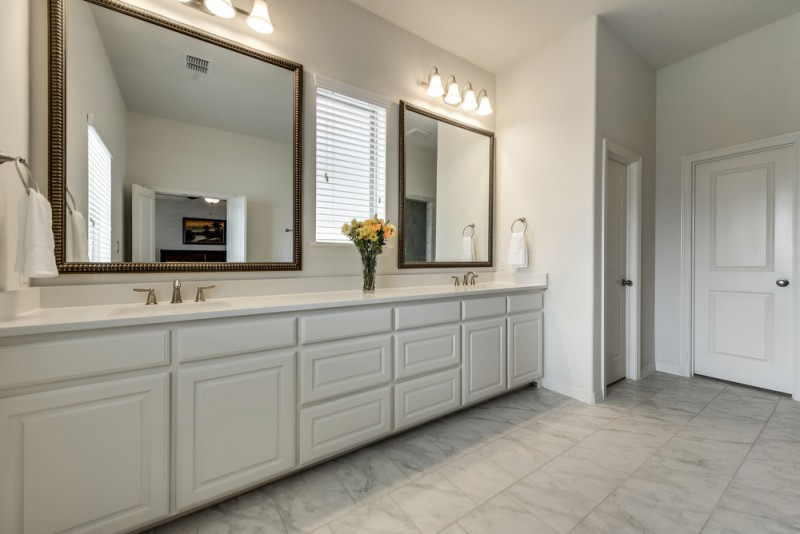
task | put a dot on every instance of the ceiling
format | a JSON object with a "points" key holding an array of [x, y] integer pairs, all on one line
{"points": [[497, 34]]}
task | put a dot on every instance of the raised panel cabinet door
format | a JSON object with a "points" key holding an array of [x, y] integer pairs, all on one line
{"points": [[484, 362], [426, 397], [524, 348], [89, 459], [235, 425], [424, 350]]}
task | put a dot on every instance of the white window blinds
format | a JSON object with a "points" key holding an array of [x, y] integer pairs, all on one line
{"points": [[351, 160], [99, 198]]}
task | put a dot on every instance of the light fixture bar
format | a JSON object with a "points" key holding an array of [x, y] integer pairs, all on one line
{"points": [[453, 96]]}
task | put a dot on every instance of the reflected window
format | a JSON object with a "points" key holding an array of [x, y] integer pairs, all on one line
{"points": [[351, 159], [99, 182]]}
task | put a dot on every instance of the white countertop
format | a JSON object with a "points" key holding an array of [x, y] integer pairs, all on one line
{"points": [[66, 318]]}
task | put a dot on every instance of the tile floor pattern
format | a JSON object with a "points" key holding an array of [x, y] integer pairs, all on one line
{"points": [[665, 454]]}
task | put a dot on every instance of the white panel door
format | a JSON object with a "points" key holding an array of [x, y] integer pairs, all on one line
{"points": [[484, 362], [743, 320], [524, 348], [143, 229], [616, 263], [235, 425], [236, 231], [89, 459]]}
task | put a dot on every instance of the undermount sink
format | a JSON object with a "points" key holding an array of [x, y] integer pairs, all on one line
{"points": [[135, 310]]}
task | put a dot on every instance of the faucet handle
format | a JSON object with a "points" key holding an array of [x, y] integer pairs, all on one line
{"points": [[456, 282], [151, 294], [472, 280], [201, 296]]}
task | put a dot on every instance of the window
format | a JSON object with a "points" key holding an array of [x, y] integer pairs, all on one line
{"points": [[99, 198], [351, 159]]}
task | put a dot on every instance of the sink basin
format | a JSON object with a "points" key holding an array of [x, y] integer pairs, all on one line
{"points": [[140, 310]]}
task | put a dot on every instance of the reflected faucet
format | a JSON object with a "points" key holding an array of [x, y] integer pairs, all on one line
{"points": [[176, 292]]}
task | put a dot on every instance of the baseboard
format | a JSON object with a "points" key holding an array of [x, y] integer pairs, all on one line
{"points": [[579, 394], [648, 370], [669, 369]]}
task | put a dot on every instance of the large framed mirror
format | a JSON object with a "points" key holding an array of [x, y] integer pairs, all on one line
{"points": [[446, 192], [171, 149]]}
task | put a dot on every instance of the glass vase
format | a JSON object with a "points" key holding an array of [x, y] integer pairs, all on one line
{"points": [[368, 264]]}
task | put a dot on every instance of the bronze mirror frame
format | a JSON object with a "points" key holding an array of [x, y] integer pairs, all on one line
{"points": [[401, 245], [57, 144]]}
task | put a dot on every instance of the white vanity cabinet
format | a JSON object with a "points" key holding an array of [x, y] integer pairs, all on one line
{"points": [[107, 430], [91, 458], [235, 425]]}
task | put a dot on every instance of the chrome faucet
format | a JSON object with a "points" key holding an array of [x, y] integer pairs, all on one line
{"points": [[151, 294], [201, 296], [469, 278], [176, 292]]}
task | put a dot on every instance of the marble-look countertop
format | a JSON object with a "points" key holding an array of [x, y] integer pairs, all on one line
{"points": [[74, 318]]}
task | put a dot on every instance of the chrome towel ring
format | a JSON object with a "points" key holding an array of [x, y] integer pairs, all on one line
{"points": [[464, 231], [17, 161], [522, 220]]}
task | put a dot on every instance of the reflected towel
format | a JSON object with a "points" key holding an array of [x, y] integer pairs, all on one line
{"points": [[35, 244], [77, 238], [467, 248], [517, 250]]}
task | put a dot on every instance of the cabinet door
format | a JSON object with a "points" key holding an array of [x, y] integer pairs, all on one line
{"points": [[484, 372], [426, 397], [89, 459], [524, 348], [235, 425]]}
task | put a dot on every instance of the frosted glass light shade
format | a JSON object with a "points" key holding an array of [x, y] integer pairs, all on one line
{"points": [[221, 8], [211, 200], [469, 102], [485, 106], [435, 88], [453, 96], [259, 17]]}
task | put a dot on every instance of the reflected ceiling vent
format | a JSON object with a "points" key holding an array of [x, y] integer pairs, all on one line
{"points": [[418, 133], [196, 64]]}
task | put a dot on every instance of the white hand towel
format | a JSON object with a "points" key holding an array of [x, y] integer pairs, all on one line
{"points": [[467, 248], [517, 250], [77, 238], [35, 244]]}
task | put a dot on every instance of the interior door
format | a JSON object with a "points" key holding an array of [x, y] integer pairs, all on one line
{"points": [[236, 231], [616, 263], [143, 231], [743, 262]]}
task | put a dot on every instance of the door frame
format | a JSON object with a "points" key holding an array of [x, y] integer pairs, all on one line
{"points": [[688, 166], [633, 163]]}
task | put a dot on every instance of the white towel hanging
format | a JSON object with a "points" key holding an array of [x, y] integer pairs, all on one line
{"points": [[35, 244], [468, 248], [517, 250], [77, 237]]}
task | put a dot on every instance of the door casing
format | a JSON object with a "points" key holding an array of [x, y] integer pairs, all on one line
{"points": [[688, 166], [633, 163]]}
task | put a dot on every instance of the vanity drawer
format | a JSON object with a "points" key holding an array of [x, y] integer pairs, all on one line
{"points": [[525, 302], [427, 314], [344, 367], [59, 357], [344, 423], [207, 339], [426, 397], [345, 324], [484, 307], [427, 349]]}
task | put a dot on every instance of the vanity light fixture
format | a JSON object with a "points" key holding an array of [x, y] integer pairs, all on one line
{"points": [[466, 100], [211, 200], [469, 102], [258, 17], [484, 106], [435, 88], [453, 96]]}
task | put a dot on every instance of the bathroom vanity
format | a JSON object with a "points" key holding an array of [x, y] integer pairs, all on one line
{"points": [[113, 418]]}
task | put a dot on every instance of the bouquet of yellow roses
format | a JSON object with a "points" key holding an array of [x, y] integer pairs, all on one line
{"points": [[369, 236]]}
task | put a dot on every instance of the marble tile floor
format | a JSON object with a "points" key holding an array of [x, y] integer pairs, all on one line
{"points": [[661, 455]]}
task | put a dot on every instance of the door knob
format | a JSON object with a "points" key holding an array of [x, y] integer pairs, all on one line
{"points": [[782, 282], [630, 282]]}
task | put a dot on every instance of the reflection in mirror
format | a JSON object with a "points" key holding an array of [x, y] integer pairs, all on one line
{"points": [[447, 190], [160, 118]]}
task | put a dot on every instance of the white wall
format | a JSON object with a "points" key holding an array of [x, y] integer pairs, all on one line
{"points": [[626, 114], [462, 192], [420, 171], [14, 129], [328, 37], [161, 155], [93, 89], [546, 172], [740, 91]]}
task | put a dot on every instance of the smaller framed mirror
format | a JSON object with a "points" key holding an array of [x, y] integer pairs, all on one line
{"points": [[446, 192]]}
